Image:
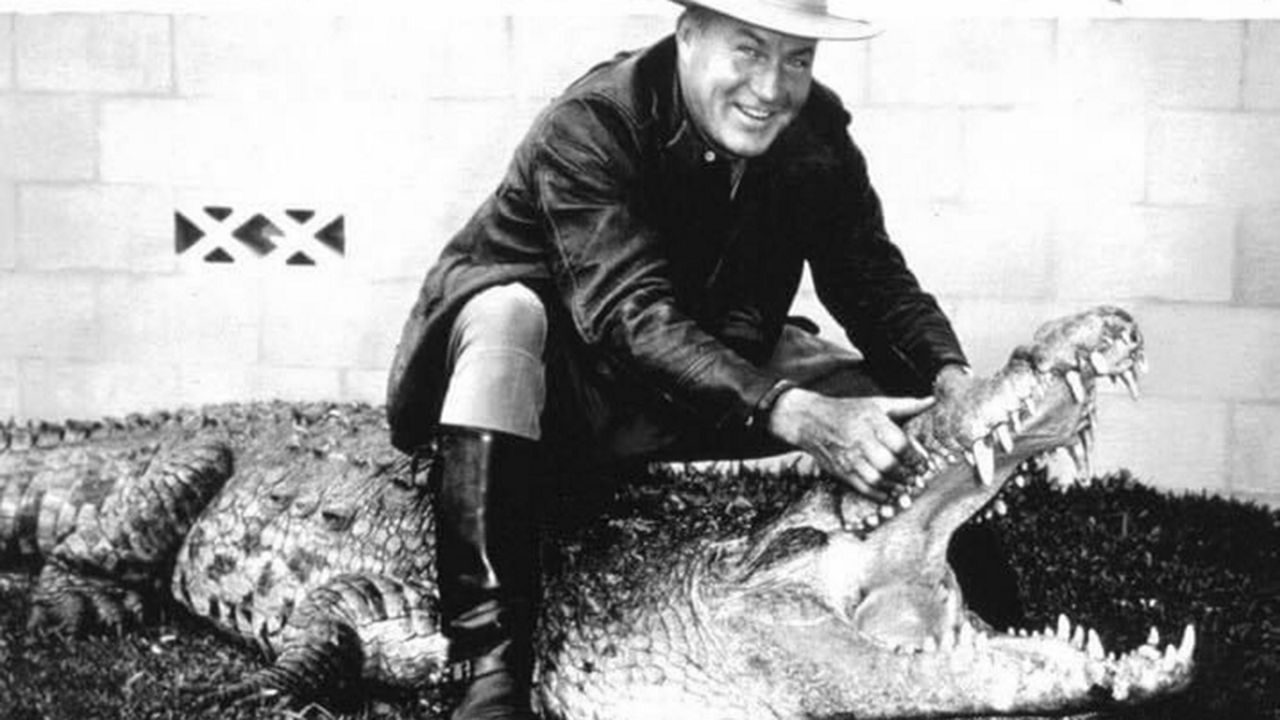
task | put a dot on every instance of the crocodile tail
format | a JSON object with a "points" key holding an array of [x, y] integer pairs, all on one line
{"points": [[109, 526]]}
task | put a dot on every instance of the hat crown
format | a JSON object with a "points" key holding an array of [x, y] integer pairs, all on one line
{"points": [[802, 18], [811, 6]]}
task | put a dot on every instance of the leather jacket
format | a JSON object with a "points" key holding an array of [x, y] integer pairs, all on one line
{"points": [[622, 217]]}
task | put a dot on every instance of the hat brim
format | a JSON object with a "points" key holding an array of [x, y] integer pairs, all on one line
{"points": [[791, 21]]}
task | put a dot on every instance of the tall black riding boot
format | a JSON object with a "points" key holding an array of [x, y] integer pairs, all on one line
{"points": [[486, 564]]}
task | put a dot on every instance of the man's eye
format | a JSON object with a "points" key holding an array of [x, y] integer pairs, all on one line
{"points": [[749, 52], [800, 63]]}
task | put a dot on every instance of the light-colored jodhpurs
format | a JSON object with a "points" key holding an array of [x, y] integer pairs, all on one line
{"points": [[498, 380]]}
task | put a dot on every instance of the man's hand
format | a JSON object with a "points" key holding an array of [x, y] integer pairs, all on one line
{"points": [[947, 434], [855, 439]]}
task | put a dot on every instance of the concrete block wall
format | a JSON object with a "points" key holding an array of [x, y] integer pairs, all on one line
{"points": [[1030, 166]]}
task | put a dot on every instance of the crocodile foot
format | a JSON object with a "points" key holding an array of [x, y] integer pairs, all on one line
{"points": [[68, 603]]}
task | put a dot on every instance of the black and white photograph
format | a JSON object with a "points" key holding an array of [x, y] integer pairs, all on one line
{"points": [[639, 359]]}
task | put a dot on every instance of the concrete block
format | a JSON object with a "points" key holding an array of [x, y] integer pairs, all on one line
{"points": [[315, 320], [549, 51], [1262, 65], [1211, 352], [298, 383], [6, 52], [1163, 62], [270, 148], [1048, 156], [96, 226], [368, 386], [208, 381], [971, 61], [1206, 158], [911, 152], [49, 316], [58, 390], [989, 329], [8, 388], [1123, 252], [48, 137], [8, 226], [1255, 457], [191, 318], [1178, 445], [1268, 499], [365, 55], [401, 233], [990, 251], [846, 69], [1258, 274], [105, 53]]}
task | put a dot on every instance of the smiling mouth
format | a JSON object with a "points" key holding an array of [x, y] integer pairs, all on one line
{"points": [[756, 115]]}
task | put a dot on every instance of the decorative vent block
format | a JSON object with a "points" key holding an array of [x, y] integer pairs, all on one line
{"points": [[292, 236]]}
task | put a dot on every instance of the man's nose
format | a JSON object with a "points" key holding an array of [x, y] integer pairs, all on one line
{"points": [[767, 83]]}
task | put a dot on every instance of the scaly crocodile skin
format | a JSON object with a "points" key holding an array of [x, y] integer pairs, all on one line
{"points": [[297, 527]]}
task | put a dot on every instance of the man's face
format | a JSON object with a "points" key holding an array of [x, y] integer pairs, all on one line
{"points": [[743, 84]]}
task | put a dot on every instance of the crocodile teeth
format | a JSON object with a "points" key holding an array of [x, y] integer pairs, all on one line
{"points": [[1153, 637], [1086, 439], [1020, 480], [1064, 628], [1080, 456], [1187, 647], [1099, 362], [904, 501], [1000, 507], [984, 460], [871, 521], [1130, 380], [1093, 646], [886, 511], [1005, 437], [1076, 383], [1140, 362], [1015, 421], [1078, 637]]}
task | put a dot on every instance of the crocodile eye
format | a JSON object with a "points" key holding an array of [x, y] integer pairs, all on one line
{"points": [[338, 519]]}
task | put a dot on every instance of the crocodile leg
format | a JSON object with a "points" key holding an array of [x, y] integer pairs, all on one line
{"points": [[373, 627], [112, 521]]}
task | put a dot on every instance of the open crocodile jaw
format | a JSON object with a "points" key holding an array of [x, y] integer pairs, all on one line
{"points": [[897, 614]]}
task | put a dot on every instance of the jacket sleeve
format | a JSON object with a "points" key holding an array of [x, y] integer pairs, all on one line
{"points": [[612, 275], [862, 278]]}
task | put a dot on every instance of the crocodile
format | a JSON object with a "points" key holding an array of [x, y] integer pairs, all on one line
{"points": [[296, 527]]}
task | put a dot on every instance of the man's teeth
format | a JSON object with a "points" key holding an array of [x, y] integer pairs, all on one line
{"points": [[755, 114]]}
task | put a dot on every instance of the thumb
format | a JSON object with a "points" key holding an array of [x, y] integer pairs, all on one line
{"points": [[902, 408]]}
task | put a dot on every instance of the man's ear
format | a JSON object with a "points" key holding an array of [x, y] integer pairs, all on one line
{"points": [[686, 28]]}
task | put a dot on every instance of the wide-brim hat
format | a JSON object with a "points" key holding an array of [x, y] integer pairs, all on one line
{"points": [[800, 18]]}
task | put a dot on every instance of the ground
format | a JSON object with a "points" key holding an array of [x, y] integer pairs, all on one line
{"points": [[1115, 555]]}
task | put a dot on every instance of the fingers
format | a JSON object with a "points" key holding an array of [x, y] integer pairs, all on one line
{"points": [[865, 480], [873, 466], [904, 408]]}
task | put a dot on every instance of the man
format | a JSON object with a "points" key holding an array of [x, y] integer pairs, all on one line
{"points": [[623, 295]]}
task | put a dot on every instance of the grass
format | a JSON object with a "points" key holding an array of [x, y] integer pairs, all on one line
{"points": [[1115, 555]]}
